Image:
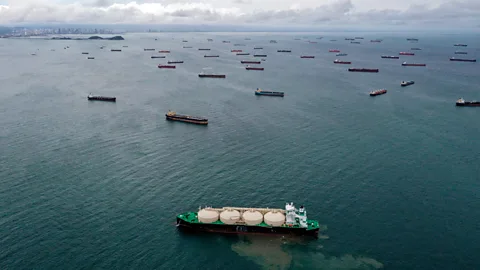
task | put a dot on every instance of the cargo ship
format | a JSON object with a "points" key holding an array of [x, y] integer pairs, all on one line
{"points": [[258, 48], [173, 116], [115, 50], [250, 62], [390, 57], [378, 92], [406, 83], [273, 41], [254, 68], [462, 60], [236, 51], [225, 41], [405, 64], [187, 47], [91, 57], [415, 49], [260, 92], [355, 42], [336, 51], [458, 52], [238, 44], [406, 53], [341, 54], [259, 55], [211, 56], [204, 49], [371, 70], [84, 52], [203, 75], [462, 102], [349, 39], [358, 37], [307, 56], [460, 45], [147, 50], [101, 98], [412, 39], [242, 220], [376, 40], [284, 51], [164, 51], [336, 61], [166, 66], [155, 56], [243, 53], [175, 62]]}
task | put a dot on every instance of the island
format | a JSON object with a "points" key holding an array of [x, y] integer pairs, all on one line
{"points": [[90, 38]]}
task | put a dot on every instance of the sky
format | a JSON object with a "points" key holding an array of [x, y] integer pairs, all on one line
{"points": [[324, 13]]}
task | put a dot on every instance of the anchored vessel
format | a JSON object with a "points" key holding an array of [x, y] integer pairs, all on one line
{"points": [[337, 51], [459, 52], [406, 83], [462, 60], [243, 53], [412, 39], [355, 42], [259, 55], [462, 102], [164, 51], [460, 45], [203, 75], [378, 92], [91, 57], [155, 56], [236, 51], [374, 70], [336, 61], [406, 53], [284, 51], [415, 49], [84, 52], [405, 64], [390, 57], [173, 116], [175, 62], [307, 56], [204, 49], [166, 66], [240, 220], [376, 40], [258, 48], [211, 56], [115, 50], [250, 62], [101, 98], [149, 50], [341, 54], [261, 92], [254, 68]]}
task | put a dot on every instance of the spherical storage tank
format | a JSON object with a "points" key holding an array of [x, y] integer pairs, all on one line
{"points": [[274, 218], [207, 215], [252, 217], [230, 216]]}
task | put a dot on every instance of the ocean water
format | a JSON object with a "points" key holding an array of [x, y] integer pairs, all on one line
{"points": [[394, 180]]}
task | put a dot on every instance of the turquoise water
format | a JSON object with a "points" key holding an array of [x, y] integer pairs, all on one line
{"points": [[394, 180]]}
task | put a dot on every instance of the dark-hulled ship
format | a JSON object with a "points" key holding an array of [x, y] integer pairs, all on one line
{"points": [[242, 220], [406, 83], [463, 103], [101, 98], [462, 60], [370, 70], [218, 76], [173, 116]]}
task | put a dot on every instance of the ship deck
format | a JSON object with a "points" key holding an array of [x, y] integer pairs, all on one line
{"points": [[191, 217]]}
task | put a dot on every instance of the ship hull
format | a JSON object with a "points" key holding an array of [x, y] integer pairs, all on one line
{"points": [[275, 94], [469, 104], [244, 229], [110, 99], [186, 120]]}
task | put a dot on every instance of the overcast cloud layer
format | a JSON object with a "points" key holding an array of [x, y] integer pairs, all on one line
{"points": [[439, 13]]}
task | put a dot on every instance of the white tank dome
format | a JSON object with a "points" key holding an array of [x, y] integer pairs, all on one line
{"points": [[252, 217], [230, 216], [207, 215], [274, 218]]}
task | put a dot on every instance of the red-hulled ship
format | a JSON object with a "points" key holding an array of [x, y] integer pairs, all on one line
{"points": [[254, 68], [333, 50], [250, 62], [373, 70], [336, 61], [164, 51], [166, 66], [307, 56], [405, 64], [378, 92], [406, 53]]}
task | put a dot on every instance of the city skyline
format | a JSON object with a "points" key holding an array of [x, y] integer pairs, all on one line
{"points": [[301, 13]]}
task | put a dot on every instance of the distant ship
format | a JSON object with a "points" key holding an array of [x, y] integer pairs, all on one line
{"points": [[336, 61], [412, 39], [307, 56], [261, 92], [390, 57], [406, 53], [273, 41], [378, 92], [243, 53], [415, 49], [334, 50], [341, 54], [406, 83], [376, 40], [259, 55], [258, 48], [164, 51], [155, 56], [101, 98], [458, 52], [405, 64], [358, 37], [460, 45], [355, 42], [462, 60], [115, 50], [254, 68], [349, 39], [149, 50], [211, 56], [84, 52], [238, 44], [284, 51], [175, 62], [250, 62], [91, 57], [166, 66], [204, 49], [249, 220], [173, 116], [236, 51], [462, 102], [371, 70], [203, 75], [187, 47]]}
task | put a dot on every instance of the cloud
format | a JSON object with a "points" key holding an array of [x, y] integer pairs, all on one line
{"points": [[341, 12]]}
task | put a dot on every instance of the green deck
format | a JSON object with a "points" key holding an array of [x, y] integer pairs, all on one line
{"points": [[191, 217]]}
